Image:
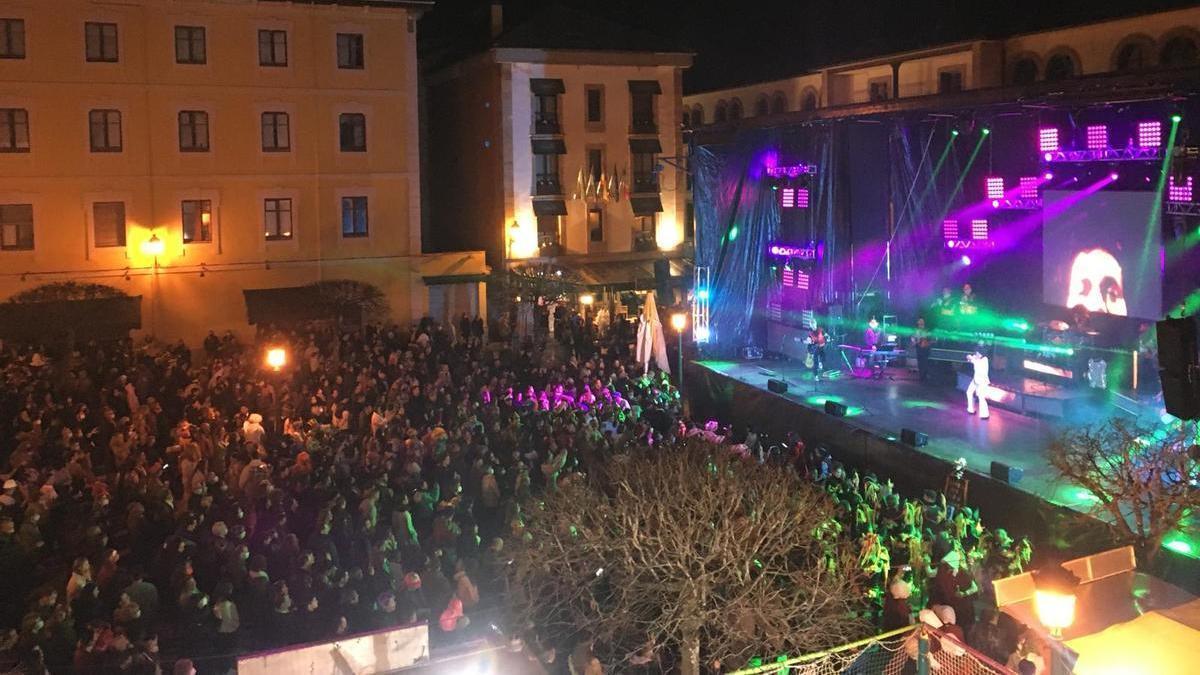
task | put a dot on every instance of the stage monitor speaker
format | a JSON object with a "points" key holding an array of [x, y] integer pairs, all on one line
{"points": [[914, 438], [777, 386], [834, 408], [1006, 473]]}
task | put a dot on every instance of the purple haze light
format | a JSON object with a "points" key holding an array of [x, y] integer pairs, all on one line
{"points": [[966, 260], [1048, 156], [995, 203], [1113, 176], [1049, 175]]}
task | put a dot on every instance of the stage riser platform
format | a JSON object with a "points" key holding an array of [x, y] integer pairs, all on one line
{"points": [[1067, 404]]}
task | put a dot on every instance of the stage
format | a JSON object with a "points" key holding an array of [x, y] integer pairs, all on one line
{"points": [[869, 436]]}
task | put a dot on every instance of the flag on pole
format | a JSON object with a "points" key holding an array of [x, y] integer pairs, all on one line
{"points": [[613, 189], [589, 192], [602, 188], [578, 185]]}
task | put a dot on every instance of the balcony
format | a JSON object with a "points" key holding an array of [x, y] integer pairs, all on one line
{"points": [[547, 185], [546, 124], [644, 241], [643, 125], [644, 183]]}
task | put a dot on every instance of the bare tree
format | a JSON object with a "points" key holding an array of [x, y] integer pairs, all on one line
{"points": [[692, 549], [1141, 478]]}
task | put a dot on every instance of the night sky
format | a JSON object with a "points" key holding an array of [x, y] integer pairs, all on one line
{"points": [[746, 41]]}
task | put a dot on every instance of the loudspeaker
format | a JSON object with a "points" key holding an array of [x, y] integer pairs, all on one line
{"points": [[834, 408], [777, 386], [914, 438], [1177, 350], [662, 282], [1006, 473]]}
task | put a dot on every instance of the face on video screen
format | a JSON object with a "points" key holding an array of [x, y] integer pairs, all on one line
{"points": [[1096, 283]]}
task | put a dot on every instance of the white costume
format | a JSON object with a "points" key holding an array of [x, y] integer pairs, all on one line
{"points": [[979, 385]]}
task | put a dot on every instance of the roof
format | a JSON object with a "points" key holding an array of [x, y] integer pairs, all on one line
{"points": [[567, 28], [421, 5]]}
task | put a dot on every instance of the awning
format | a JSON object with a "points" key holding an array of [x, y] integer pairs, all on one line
{"points": [[549, 146], [645, 87], [645, 145], [546, 87], [549, 207], [646, 206], [95, 318]]}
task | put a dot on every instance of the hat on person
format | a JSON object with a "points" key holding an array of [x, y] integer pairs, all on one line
{"points": [[10, 484]]}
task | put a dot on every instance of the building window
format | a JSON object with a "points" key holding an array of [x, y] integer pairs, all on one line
{"points": [[272, 48], [595, 163], [809, 102], [778, 103], [190, 45], [878, 90], [104, 128], [197, 221], [697, 116], [350, 53], [950, 81], [277, 218], [545, 114], [721, 113], [735, 110], [276, 134], [193, 131], [354, 216], [595, 224], [595, 104], [12, 38], [14, 130], [1178, 52], [548, 234], [352, 132], [1060, 67], [644, 225], [16, 227], [1131, 56], [762, 106], [545, 175], [644, 177], [101, 42], [643, 112], [108, 224], [1025, 71], [689, 222]]}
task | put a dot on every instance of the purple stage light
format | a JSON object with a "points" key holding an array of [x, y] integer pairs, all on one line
{"points": [[1029, 187], [1097, 136], [1048, 156], [1048, 139], [995, 203], [1149, 134], [966, 260], [1049, 175], [1180, 192], [810, 251], [995, 187], [793, 198], [950, 229], [792, 171], [1113, 176], [979, 228]]}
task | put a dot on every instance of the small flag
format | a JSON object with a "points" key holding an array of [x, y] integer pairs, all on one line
{"points": [[589, 192], [602, 188], [578, 185]]}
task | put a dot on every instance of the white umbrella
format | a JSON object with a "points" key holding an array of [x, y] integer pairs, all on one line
{"points": [[650, 341]]}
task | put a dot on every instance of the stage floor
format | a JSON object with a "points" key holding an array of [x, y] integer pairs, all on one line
{"points": [[882, 407]]}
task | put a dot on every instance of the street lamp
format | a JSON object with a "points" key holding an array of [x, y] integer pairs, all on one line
{"points": [[1054, 598], [153, 247], [679, 322], [276, 358]]}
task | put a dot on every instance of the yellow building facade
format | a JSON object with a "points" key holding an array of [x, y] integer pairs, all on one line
{"points": [[250, 144]]}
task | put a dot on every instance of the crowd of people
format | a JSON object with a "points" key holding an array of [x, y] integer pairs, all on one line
{"points": [[205, 505]]}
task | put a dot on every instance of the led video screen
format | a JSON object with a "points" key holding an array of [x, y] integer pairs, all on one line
{"points": [[1102, 251]]}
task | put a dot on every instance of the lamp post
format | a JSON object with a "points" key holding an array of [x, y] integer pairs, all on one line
{"points": [[276, 358], [154, 247], [679, 322], [587, 299]]}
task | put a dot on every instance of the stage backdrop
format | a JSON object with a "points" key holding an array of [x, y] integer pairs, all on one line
{"points": [[1103, 252]]}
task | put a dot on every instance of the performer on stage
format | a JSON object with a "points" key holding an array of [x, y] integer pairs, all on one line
{"points": [[922, 342], [979, 383], [968, 304], [816, 349], [945, 308], [871, 335]]}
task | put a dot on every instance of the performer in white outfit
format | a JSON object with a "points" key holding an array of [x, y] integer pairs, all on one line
{"points": [[979, 385]]}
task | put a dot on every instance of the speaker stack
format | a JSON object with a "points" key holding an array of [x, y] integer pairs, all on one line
{"points": [[1179, 367]]}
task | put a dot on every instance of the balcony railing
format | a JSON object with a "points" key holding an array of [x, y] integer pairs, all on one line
{"points": [[644, 241], [547, 185], [644, 125], [548, 244], [546, 123], [645, 183]]}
